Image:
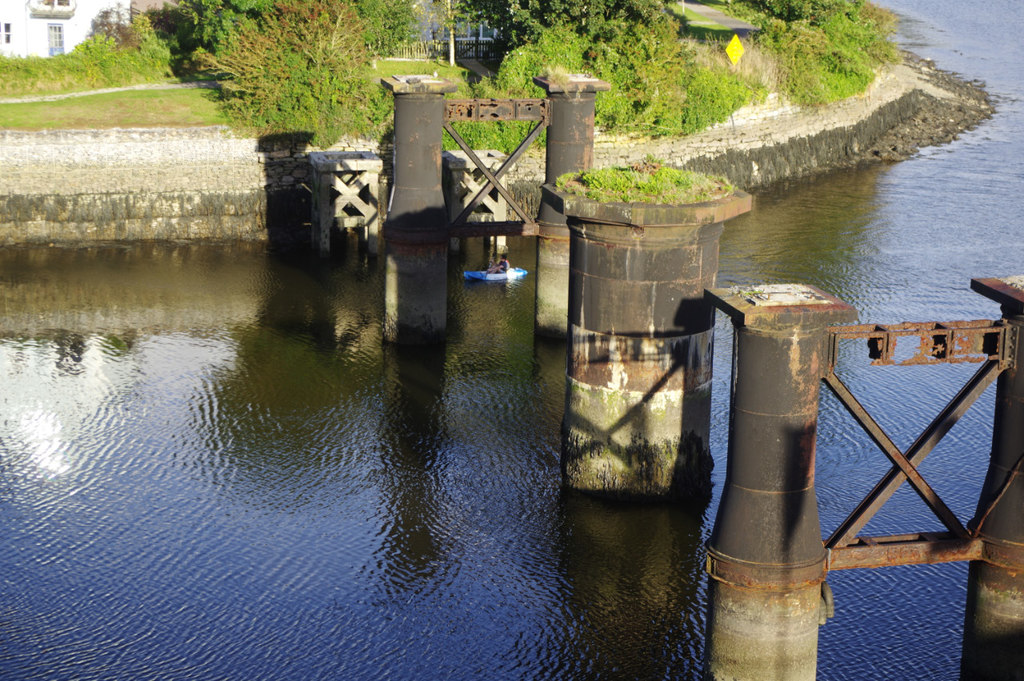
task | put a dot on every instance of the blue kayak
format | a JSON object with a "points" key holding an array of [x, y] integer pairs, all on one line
{"points": [[481, 275]]}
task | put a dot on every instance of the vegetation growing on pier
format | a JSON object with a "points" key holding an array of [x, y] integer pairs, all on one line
{"points": [[649, 181]]}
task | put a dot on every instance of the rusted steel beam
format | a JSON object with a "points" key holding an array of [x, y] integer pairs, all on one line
{"points": [[938, 342], [885, 443], [916, 453], [905, 549], [507, 228], [488, 110]]}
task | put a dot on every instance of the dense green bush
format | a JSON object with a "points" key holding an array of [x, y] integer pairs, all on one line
{"points": [[647, 68], [388, 24], [520, 23], [711, 97], [97, 62], [211, 23], [657, 86], [832, 59], [300, 68], [815, 11]]}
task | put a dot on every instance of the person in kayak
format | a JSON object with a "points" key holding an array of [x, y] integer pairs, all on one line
{"points": [[500, 266]]}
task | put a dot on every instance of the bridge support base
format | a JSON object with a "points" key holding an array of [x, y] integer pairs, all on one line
{"points": [[639, 346], [994, 621], [765, 556]]}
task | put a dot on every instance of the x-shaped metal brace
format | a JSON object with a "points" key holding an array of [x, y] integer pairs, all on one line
{"points": [[905, 464], [492, 178]]}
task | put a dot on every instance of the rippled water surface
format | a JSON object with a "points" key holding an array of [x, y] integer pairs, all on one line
{"points": [[212, 468]]}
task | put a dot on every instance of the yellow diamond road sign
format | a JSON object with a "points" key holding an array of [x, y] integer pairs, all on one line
{"points": [[734, 49]]}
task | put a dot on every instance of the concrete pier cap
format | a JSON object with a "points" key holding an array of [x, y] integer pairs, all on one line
{"points": [[780, 305], [765, 557], [418, 84], [1007, 291], [572, 83]]}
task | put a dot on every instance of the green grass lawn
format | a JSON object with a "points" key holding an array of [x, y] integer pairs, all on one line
{"points": [[163, 108], [128, 109]]}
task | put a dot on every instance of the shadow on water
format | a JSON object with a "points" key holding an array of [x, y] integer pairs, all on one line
{"points": [[288, 205]]}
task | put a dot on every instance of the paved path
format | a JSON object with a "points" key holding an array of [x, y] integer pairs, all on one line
{"points": [[201, 84], [476, 67], [740, 28]]}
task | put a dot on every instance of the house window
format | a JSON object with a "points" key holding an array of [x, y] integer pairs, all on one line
{"points": [[56, 38], [6, 35], [63, 3]]}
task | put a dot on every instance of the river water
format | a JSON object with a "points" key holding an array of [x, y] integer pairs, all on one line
{"points": [[211, 467]]}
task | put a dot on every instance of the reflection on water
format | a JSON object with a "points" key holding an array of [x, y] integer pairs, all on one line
{"points": [[257, 471], [211, 467], [792, 235]]}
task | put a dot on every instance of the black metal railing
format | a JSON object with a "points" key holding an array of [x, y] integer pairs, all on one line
{"points": [[465, 48]]}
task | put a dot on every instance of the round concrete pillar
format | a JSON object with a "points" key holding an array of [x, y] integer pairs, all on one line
{"points": [[639, 346], [416, 231], [993, 646], [570, 148], [765, 556]]}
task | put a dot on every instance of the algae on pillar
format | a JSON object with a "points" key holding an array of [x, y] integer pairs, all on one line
{"points": [[416, 230], [993, 646], [569, 149], [766, 559], [639, 346]]}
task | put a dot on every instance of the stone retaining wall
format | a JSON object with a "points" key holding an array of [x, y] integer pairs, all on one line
{"points": [[203, 183]]}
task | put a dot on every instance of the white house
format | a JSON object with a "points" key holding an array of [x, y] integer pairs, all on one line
{"points": [[44, 28]]}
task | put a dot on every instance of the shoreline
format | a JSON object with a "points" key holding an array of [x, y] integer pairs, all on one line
{"points": [[76, 187], [911, 105], [965, 105]]}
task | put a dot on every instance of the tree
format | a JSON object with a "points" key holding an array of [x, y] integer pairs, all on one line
{"points": [[388, 24], [214, 21], [522, 21], [447, 14], [299, 68]]}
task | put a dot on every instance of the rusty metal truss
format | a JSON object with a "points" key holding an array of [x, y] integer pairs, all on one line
{"points": [[990, 343], [489, 110], [495, 110], [938, 342]]}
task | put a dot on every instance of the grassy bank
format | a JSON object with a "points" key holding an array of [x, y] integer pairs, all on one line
{"points": [[179, 108], [283, 76]]}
